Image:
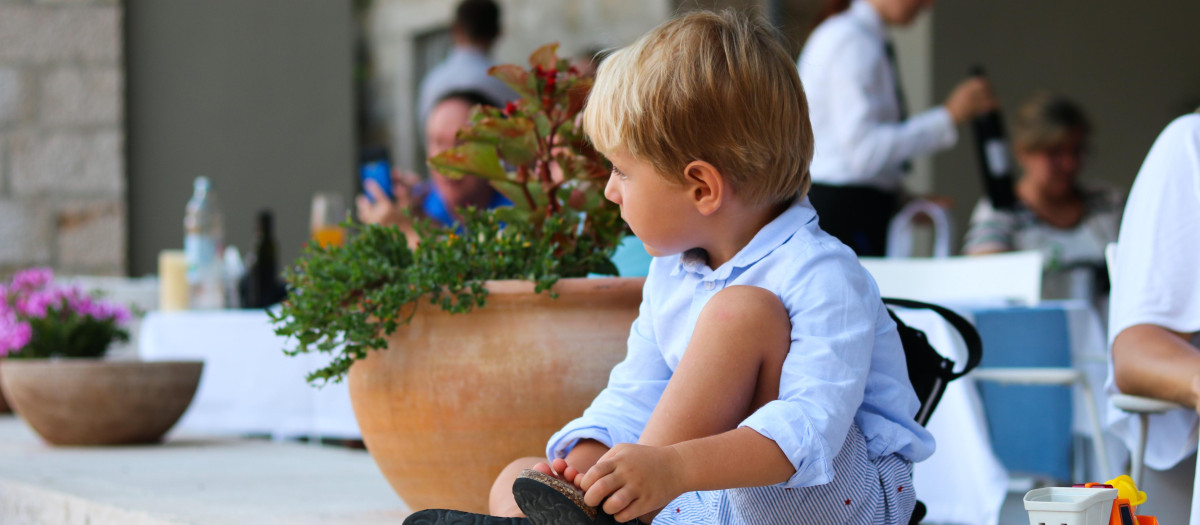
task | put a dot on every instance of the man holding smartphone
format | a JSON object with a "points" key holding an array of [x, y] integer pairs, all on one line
{"points": [[441, 197]]}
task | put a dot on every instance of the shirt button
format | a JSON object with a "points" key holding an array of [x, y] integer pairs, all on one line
{"points": [[709, 285]]}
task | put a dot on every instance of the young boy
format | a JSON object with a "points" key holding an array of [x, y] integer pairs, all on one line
{"points": [[765, 382]]}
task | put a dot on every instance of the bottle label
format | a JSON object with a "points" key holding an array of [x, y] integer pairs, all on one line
{"points": [[201, 253], [996, 152]]}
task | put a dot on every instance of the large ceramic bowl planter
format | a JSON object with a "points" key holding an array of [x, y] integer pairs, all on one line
{"points": [[456, 397], [98, 402]]}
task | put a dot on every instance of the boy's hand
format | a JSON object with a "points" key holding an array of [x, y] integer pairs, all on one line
{"points": [[635, 479]]}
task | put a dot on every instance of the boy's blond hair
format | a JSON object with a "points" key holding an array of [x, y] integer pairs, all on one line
{"points": [[716, 87]]}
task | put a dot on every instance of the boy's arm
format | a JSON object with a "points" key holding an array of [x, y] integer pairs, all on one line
{"points": [[639, 480], [621, 410]]}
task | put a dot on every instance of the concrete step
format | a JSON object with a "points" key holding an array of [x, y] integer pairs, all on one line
{"points": [[189, 480]]}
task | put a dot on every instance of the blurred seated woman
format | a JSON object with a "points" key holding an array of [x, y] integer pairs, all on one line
{"points": [[1068, 221], [441, 198]]}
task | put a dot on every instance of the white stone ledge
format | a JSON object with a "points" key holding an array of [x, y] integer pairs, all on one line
{"points": [[189, 481]]}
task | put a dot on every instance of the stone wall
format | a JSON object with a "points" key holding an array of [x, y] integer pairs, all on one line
{"points": [[62, 152]]}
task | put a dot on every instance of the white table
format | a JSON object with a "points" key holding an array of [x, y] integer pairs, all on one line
{"points": [[249, 386]]}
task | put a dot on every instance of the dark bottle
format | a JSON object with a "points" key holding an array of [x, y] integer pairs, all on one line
{"points": [[261, 286], [995, 156]]}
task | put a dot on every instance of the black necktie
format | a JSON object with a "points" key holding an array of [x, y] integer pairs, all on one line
{"points": [[890, 51]]}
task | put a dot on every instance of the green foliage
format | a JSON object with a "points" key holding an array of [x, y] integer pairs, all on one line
{"points": [[346, 300], [65, 333]]}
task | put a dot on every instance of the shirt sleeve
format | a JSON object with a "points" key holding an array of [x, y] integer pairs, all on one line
{"points": [[1157, 279], [865, 128], [622, 409], [990, 230], [824, 374]]}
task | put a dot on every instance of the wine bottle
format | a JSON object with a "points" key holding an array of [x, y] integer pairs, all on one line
{"points": [[260, 286], [995, 156]]}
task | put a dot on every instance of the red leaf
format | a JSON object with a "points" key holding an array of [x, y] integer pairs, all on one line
{"points": [[545, 56], [515, 77]]}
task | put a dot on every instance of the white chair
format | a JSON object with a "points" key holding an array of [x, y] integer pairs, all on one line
{"points": [[1015, 276], [902, 230], [1144, 407]]}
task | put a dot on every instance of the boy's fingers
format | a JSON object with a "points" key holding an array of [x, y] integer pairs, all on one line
{"points": [[622, 505], [596, 472], [599, 489]]}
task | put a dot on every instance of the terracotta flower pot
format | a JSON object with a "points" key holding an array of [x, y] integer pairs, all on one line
{"points": [[455, 398], [98, 402]]}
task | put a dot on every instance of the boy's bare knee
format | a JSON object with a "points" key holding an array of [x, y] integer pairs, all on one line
{"points": [[747, 308], [500, 500]]}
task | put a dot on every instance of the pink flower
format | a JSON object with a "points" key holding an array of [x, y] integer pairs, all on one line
{"points": [[14, 334], [32, 279], [32, 294], [36, 303]]}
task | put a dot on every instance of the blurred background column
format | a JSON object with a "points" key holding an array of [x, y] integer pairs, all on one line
{"points": [[62, 136]]}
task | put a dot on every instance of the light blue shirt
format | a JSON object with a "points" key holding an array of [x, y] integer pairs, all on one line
{"points": [[845, 365], [465, 69]]}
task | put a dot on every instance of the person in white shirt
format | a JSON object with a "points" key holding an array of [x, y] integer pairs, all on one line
{"points": [[864, 138], [1154, 315], [475, 30]]}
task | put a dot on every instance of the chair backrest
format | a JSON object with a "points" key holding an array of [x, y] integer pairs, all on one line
{"points": [[1011, 276], [901, 229]]}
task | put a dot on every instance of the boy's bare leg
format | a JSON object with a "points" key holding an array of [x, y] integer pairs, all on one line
{"points": [[731, 367], [501, 501]]}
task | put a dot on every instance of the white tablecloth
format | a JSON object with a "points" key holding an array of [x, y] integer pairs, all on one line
{"points": [[250, 386], [962, 482]]}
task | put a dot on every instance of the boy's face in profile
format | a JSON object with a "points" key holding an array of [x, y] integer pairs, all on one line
{"points": [[657, 210]]}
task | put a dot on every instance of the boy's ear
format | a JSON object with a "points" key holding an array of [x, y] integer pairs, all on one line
{"points": [[706, 186]]}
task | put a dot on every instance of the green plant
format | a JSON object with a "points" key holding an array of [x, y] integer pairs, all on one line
{"points": [[346, 300]]}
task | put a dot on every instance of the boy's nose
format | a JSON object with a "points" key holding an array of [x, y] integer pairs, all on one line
{"points": [[610, 190]]}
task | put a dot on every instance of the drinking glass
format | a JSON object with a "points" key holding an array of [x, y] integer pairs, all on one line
{"points": [[328, 211]]}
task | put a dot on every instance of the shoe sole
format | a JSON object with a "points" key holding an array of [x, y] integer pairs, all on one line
{"points": [[550, 501], [454, 517]]}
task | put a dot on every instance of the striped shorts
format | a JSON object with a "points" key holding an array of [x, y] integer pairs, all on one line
{"points": [[863, 492]]}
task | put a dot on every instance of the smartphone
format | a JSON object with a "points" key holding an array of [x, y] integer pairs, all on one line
{"points": [[375, 164]]}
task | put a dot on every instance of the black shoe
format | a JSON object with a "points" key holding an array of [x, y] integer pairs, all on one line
{"points": [[550, 501], [455, 517]]}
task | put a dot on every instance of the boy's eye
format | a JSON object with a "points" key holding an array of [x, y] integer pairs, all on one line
{"points": [[618, 173]]}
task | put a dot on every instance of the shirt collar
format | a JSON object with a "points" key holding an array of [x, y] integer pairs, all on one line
{"points": [[468, 52], [777, 232], [865, 14]]}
